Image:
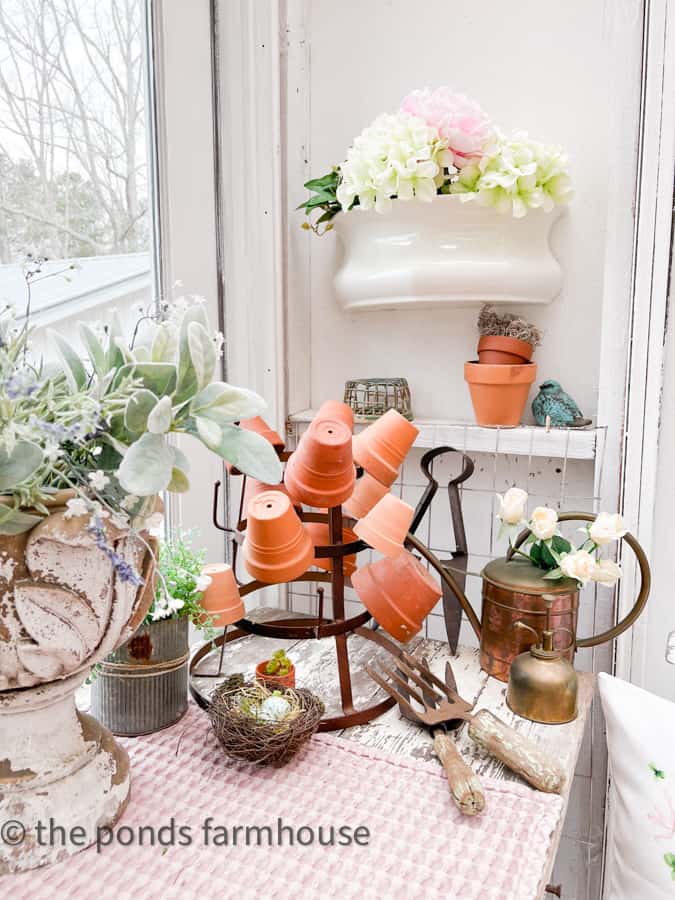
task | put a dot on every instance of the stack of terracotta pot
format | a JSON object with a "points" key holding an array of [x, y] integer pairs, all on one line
{"points": [[322, 474], [499, 381]]}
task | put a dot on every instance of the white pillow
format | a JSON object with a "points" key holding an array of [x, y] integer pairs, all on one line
{"points": [[641, 837]]}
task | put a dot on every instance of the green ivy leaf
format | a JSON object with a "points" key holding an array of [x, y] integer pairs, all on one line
{"points": [[553, 575]]}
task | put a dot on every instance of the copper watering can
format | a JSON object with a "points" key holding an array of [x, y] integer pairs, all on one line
{"points": [[513, 591]]}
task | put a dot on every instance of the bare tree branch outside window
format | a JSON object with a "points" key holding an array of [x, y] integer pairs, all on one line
{"points": [[73, 169]]}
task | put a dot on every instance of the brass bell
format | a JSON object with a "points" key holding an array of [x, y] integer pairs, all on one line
{"points": [[542, 684]]}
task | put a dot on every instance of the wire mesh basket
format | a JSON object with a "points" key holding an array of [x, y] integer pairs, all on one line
{"points": [[369, 398]]}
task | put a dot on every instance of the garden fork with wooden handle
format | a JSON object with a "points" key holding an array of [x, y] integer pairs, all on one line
{"points": [[521, 755]]}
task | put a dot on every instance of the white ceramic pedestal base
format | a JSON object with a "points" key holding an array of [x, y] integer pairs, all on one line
{"points": [[444, 253], [58, 767]]}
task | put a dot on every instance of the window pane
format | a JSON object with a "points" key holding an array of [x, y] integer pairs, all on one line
{"points": [[73, 149]]}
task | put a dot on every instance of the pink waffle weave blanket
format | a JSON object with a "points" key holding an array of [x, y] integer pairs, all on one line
{"points": [[419, 846]]}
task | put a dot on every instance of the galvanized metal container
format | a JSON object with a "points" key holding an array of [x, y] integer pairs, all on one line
{"points": [[143, 686]]}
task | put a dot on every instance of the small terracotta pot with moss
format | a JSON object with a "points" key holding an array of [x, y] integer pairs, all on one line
{"points": [[278, 670], [505, 339]]}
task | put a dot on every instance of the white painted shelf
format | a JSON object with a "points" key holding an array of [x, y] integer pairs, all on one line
{"points": [[525, 440]]}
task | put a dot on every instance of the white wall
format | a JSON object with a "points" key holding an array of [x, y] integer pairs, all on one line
{"points": [[538, 65]]}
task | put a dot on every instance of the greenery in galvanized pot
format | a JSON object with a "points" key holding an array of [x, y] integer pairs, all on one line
{"points": [[143, 686]]}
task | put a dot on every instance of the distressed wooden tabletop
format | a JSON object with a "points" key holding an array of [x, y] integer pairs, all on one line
{"points": [[316, 669]]}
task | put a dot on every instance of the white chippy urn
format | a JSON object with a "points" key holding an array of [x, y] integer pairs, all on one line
{"points": [[63, 608]]}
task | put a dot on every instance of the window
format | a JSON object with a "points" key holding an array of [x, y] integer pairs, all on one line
{"points": [[74, 184]]}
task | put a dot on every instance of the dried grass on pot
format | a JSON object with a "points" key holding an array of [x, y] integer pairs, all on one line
{"points": [[243, 735]]}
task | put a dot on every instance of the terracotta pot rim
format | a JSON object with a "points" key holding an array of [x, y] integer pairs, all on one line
{"points": [[506, 344], [490, 373]]}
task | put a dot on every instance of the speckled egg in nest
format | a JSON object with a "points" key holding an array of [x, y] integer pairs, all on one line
{"points": [[260, 725]]}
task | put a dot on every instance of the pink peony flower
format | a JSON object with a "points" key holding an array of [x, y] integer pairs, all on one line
{"points": [[458, 119]]}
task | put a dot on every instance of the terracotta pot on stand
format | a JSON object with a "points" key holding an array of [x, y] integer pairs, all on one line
{"points": [[321, 471], [499, 393], [335, 409], [276, 548], [386, 525], [221, 600], [399, 593], [381, 447], [367, 492], [319, 533]]}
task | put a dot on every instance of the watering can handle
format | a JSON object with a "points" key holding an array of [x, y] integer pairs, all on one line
{"points": [[645, 580]]}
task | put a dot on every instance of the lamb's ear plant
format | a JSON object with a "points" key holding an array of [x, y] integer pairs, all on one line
{"points": [[103, 423]]}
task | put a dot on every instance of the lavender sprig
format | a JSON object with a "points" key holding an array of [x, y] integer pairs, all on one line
{"points": [[124, 570]]}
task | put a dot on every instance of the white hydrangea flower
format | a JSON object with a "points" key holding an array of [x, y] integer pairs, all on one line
{"points": [[398, 156], [516, 174]]}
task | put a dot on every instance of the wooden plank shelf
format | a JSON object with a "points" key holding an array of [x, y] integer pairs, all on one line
{"points": [[525, 440]]}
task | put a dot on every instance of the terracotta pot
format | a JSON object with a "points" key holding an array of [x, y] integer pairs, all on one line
{"points": [[334, 409], [367, 492], [287, 681], [253, 487], [496, 350], [399, 593], [381, 447], [386, 525], [260, 426], [499, 393], [277, 548], [321, 471], [221, 600], [321, 538]]}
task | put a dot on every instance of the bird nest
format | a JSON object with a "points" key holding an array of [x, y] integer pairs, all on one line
{"points": [[243, 732]]}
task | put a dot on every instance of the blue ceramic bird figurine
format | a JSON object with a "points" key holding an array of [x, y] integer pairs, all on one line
{"points": [[554, 402]]}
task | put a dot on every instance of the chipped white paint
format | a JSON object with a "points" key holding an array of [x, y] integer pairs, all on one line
{"points": [[62, 610]]}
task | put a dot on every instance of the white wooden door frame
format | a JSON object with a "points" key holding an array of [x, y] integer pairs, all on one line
{"points": [[635, 312]]}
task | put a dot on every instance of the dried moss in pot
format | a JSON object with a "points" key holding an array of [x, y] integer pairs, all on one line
{"points": [[257, 724]]}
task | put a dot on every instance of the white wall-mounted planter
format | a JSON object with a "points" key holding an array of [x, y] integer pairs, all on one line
{"points": [[444, 253]]}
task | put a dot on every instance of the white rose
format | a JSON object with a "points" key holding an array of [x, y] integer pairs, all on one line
{"points": [[512, 506], [544, 523], [607, 527], [580, 565], [606, 572]]}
